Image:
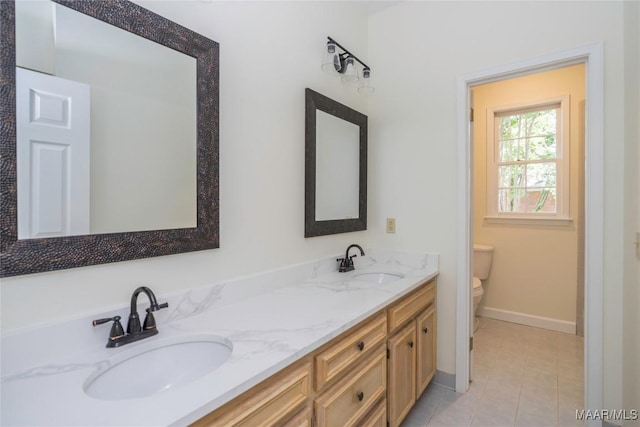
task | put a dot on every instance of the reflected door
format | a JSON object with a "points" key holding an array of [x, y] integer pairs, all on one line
{"points": [[53, 155]]}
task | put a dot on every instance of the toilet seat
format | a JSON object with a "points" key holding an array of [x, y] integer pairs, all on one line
{"points": [[477, 283]]}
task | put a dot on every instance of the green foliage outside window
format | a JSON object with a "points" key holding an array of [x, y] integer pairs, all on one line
{"points": [[527, 167]]}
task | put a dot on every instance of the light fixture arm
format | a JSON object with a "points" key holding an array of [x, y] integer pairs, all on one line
{"points": [[348, 54]]}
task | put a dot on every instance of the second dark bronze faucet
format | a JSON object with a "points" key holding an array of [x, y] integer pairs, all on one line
{"points": [[346, 263], [135, 331]]}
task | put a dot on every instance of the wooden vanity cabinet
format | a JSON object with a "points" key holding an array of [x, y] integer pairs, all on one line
{"points": [[369, 376], [412, 346]]}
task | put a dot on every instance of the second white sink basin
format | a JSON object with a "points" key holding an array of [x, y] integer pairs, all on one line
{"points": [[158, 366], [378, 277]]}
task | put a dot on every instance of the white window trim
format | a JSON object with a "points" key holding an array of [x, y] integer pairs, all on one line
{"points": [[561, 217]]}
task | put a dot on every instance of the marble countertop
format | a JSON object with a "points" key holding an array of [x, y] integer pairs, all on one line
{"points": [[271, 321]]}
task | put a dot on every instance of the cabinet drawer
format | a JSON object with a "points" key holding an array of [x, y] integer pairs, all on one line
{"points": [[345, 403], [334, 361], [270, 406], [411, 305], [377, 417], [301, 419]]}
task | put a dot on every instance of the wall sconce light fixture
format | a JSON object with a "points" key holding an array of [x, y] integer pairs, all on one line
{"points": [[344, 64]]}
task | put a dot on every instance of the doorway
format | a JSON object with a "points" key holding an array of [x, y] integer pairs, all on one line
{"points": [[592, 57], [528, 198]]}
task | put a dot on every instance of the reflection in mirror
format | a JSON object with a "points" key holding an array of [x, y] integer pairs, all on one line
{"points": [[106, 127], [146, 190], [335, 167]]}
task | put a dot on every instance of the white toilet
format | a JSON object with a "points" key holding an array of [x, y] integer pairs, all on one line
{"points": [[482, 257]]}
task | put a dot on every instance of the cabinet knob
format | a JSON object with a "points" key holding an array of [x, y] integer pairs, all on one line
{"points": [[361, 345], [425, 330], [360, 396], [410, 344]]}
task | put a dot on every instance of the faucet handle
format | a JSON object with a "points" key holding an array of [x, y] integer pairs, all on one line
{"points": [[155, 306], [116, 329], [149, 320]]}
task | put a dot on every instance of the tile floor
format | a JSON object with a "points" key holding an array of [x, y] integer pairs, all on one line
{"points": [[523, 376]]}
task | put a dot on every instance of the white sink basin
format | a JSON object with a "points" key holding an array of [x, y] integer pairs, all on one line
{"points": [[156, 366], [378, 277]]}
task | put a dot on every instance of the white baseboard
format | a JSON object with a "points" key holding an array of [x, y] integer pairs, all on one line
{"points": [[528, 319]]}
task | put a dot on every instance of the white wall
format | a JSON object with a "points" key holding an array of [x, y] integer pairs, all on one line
{"points": [[631, 328], [35, 47], [535, 267], [269, 53], [417, 50]]}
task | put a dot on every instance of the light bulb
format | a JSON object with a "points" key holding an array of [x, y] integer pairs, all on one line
{"points": [[366, 84], [350, 74], [331, 61]]}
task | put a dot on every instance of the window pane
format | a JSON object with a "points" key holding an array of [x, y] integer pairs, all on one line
{"points": [[541, 175], [528, 160], [542, 200], [542, 147], [510, 151], [512, 200], [510, 127], [511, 176], [539, 122]]}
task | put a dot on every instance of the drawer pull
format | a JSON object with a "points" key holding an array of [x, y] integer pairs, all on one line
{"points": [[425, 330], [360, 396], [361, 345], [410, 344]]}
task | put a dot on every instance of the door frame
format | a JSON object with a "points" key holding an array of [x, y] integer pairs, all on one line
{"points": [[593, 57]]}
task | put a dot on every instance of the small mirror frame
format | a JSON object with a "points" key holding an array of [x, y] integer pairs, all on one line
{"points": [[27, 256], [315, 101]]}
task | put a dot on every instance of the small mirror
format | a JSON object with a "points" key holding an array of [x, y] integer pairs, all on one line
{"points": [[335, 167]]}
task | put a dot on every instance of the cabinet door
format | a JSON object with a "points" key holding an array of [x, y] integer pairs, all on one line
{"points": [[426, 357], [402, 373]]}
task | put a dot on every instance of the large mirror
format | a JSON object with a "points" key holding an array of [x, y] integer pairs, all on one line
{"points": [[109, 143], [335, 167]]}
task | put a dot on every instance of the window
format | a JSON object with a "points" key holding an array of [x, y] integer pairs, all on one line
{"points": [[528, 161]]}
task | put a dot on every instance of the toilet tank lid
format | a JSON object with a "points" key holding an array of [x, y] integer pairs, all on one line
{"points": [[482, 247]]}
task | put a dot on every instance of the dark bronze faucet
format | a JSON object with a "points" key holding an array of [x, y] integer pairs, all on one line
{"points": [[135, 332], [346, 263]]}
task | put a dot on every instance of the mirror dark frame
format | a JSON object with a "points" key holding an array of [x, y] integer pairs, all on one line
{"points": [[316, 101], [27, 256]]}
